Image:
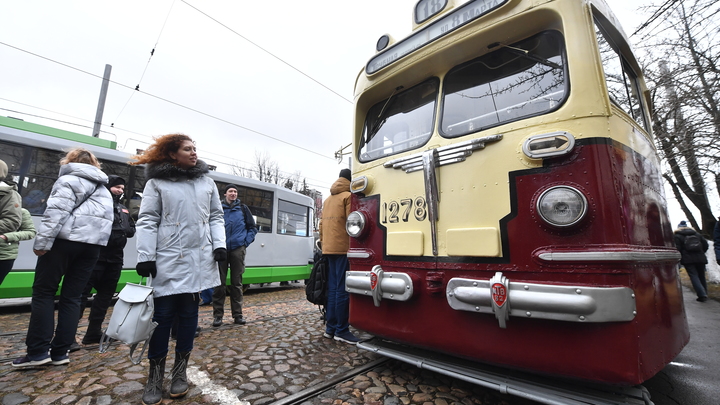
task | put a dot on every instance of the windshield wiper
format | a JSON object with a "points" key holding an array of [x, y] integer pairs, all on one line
{"points": [[527, 55], [381, 119]]}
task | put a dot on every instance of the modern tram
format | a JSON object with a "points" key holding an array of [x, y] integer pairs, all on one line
{"points": [[507, 203], [282, 251]]}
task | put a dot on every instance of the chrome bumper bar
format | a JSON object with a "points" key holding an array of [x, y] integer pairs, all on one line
{"points": [[544, 301], [505, 298]]}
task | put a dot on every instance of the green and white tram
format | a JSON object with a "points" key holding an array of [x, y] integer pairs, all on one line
{"points": [[283, 247]]}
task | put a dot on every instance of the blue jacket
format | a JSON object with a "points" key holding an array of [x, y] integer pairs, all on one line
{"points": [[240, 229]]}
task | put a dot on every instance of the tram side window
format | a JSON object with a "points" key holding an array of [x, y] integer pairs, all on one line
{"points": [[12, 155], [37, 182], [33, 191], [622, 82], [293, 219], [404, 121], [521, 80], [260, 203]]}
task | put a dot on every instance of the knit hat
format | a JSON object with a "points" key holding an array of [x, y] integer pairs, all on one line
{"points": [[682, 224], [3, 170], [114, 180], [345, 173], [229, 186]]}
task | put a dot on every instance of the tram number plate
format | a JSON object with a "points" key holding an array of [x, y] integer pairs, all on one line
{"points": [[499, 294], [396, 211]]}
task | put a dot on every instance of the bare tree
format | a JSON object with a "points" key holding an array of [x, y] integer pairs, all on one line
{"points": [[681, 47], [238, 169]]}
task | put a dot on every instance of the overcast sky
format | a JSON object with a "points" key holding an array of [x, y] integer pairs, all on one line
{"points": [[240, 77]]}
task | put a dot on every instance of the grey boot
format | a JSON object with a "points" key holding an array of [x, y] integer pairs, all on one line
{"points": [[179, 386], [153, 389]]}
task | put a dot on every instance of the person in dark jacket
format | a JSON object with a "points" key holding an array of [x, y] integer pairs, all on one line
{"points": [[240, 231], [105, 275], [73, 228], [694, 260]]}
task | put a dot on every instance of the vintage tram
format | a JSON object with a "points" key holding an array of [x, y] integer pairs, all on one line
{"points": [[507, 200]]}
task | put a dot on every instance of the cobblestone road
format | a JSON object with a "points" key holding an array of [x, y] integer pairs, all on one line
{"points": [[278, 353]]}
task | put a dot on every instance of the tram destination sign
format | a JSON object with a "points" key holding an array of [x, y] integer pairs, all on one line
{"points": [[445, 25]]}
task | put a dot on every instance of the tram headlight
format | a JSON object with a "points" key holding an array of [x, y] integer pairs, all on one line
{"points": [[562, 206], [355, 224]]}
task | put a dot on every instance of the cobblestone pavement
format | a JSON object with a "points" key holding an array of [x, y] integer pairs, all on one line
{"points": [[278, 353]]}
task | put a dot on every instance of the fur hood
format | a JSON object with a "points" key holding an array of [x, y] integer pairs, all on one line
{"points": [[169, 171]]}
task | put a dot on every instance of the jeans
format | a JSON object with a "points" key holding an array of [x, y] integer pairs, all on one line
{"points": [[696, 271], [338, 299], [236, 261], [206, 296], [185, 307], [104, 279], [72, 262]]}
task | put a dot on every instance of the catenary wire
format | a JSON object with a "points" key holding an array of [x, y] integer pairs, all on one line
{"points": [[174, 103], [266, 51], [152, 53], [230, 161]]}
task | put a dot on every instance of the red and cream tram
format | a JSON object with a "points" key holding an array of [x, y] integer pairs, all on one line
{"points": [[508, 205]]}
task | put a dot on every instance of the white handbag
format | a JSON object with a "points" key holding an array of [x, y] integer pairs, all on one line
{"points": [[131, 320]]}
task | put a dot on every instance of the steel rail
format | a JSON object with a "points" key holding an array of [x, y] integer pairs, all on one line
{"points": [[311, 392]]}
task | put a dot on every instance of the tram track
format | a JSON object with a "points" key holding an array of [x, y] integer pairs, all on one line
{"points": [[316, 390]]}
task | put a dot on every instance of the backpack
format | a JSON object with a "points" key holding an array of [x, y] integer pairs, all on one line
{"points": [[316, 285], [693, 244]]}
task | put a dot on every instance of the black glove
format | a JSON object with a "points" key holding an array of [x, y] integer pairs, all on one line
{"points": [[220, 254], [145, 269]]}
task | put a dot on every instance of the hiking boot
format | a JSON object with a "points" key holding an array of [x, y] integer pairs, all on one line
{"points": [[240, 321], [153, 388], [179, 386], [217, 322]]}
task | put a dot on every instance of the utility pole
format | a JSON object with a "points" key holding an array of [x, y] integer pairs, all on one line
{"points": [[101, 101]]}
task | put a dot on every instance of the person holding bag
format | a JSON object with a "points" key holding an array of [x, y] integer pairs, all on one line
{"points": [[180, 238], [76, 224]]}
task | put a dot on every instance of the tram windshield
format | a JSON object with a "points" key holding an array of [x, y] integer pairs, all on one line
{"points": [[516, 81], [401, 122]]}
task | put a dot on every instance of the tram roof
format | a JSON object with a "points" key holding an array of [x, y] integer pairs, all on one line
{"points": [[58, 133]]}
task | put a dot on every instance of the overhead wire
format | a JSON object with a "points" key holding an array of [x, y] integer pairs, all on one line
{"points": [[230, 161], [657, 14], [266, 51], [174, 103], [152, 53]]}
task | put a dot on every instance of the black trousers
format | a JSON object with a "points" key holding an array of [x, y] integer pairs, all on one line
{"points": [[104, 279]]}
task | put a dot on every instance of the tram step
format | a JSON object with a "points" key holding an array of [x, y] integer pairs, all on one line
{"points": [[536, 388]]}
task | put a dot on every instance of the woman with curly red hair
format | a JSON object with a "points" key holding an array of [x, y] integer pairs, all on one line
{"points": [[180, 237]]}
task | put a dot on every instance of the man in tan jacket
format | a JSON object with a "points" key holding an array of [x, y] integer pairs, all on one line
{"points": [[335, 242]]}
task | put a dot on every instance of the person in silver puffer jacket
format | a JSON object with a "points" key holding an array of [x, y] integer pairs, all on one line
{"points": [[76, 223]]}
